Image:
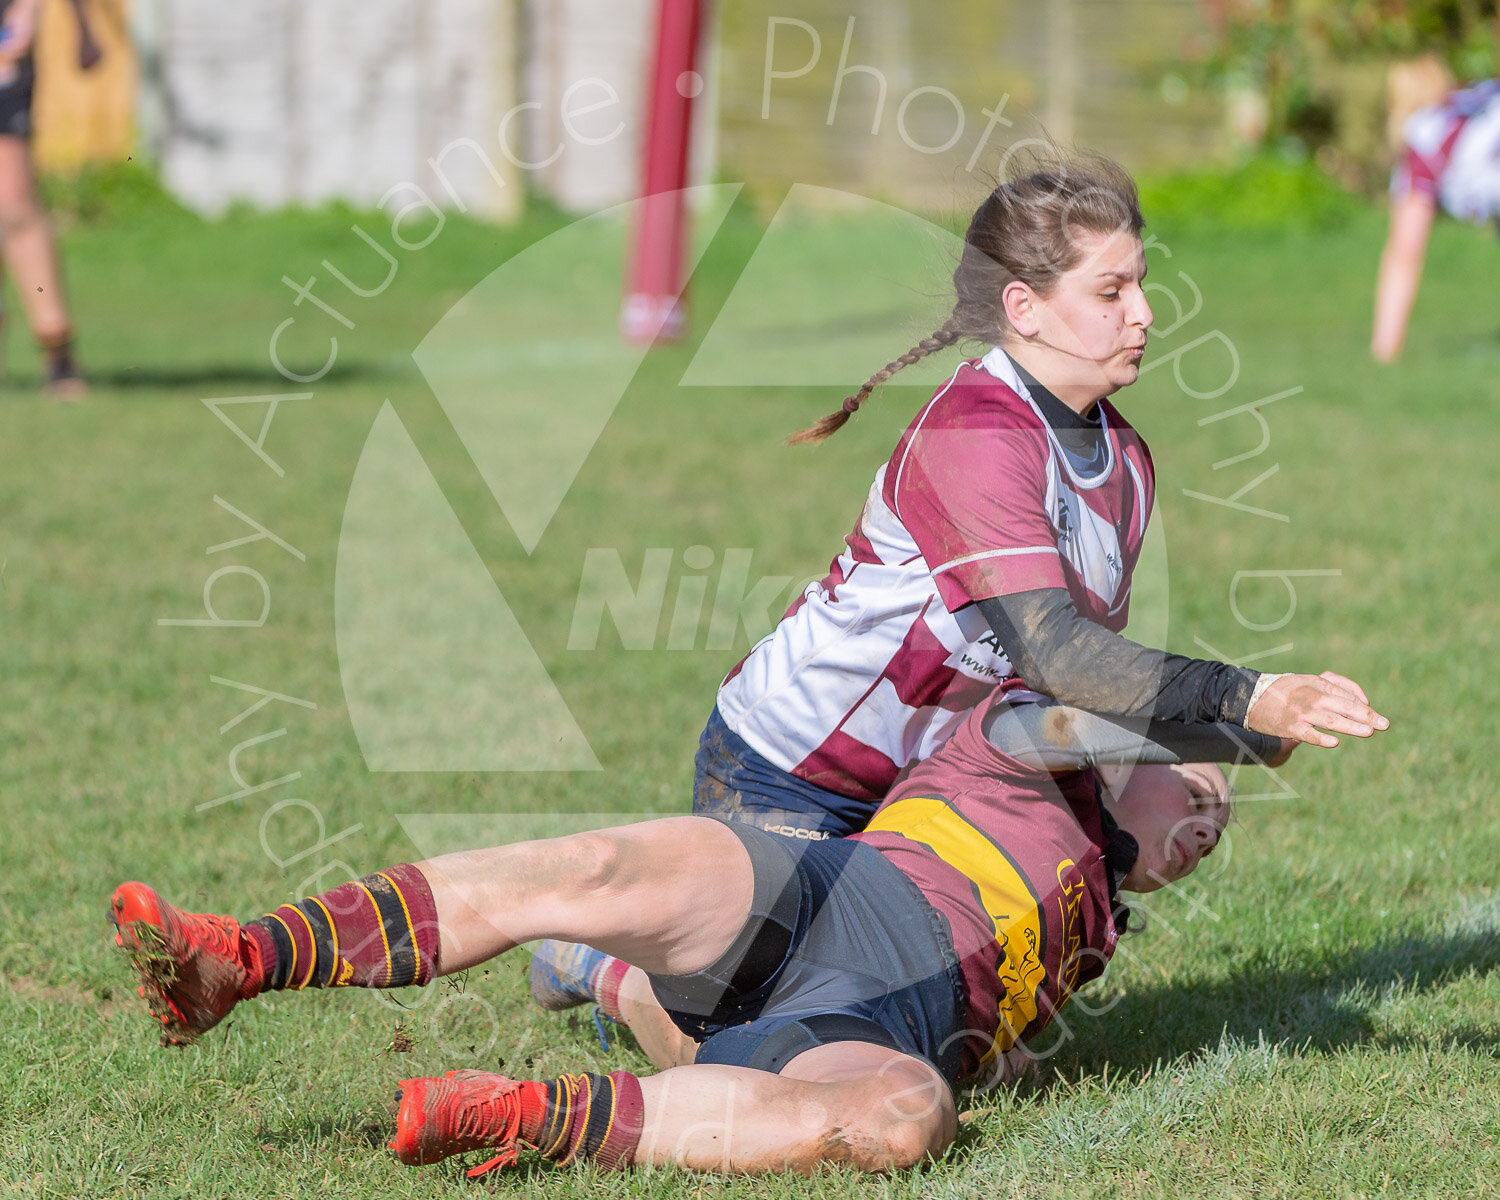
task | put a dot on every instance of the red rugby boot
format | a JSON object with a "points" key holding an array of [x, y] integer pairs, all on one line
{"points": [[193, 967], [464, 1110]]}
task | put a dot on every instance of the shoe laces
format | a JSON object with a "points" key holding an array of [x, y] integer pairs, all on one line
{"points": [[207, 931], [477, 1114]]}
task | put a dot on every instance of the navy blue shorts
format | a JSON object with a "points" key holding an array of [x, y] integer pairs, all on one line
{"points": [[840, 946], [734, 781], [15, 99]]}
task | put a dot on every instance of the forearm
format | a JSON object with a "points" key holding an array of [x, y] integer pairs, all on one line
{"points": [[1080, 663], [1057, 737], [1400, 273]]}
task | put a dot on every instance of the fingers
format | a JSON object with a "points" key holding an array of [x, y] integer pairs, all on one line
{"points": [[1328, 706], [1314, 709], [1310, 735], [1347, 684]]}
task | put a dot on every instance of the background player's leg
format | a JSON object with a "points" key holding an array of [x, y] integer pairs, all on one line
{"points": [[867, 1106], [30, 252]]}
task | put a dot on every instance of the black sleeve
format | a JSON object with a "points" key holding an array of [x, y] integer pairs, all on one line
{"points": [[1055, 737], [1081, 663]]}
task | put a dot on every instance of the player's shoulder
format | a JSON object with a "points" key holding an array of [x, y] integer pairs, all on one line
{"points": [[976, 397], [976, 432]]}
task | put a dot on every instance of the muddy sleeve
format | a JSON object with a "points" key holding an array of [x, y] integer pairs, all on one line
{"points": [[1054, 737], [1081, 663]]}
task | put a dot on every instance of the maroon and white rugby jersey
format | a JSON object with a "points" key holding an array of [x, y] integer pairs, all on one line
{"points": [[1453, 153], [875, 666], [1016, 862]]}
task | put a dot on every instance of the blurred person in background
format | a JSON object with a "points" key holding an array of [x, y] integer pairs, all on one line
{"points": [[1448, 147], [26, 243]]}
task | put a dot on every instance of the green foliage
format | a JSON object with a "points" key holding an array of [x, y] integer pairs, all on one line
{"points": [[1285, 42], [1319, 66], [1265, 194], [116, 191]]}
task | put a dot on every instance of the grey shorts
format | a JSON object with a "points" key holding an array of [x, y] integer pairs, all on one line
{"points": [[839, 946]]}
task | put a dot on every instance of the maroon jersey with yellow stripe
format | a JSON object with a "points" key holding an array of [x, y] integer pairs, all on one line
{"points": [[1014, 859]]}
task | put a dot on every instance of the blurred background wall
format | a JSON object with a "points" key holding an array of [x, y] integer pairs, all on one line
{"points": [[305, 101]]}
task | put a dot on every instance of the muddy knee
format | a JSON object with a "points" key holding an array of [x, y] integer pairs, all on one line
{"points": [[883, 1130], [903, 1141]]}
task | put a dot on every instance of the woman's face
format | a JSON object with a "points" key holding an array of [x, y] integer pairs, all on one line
{"points": [[1176, 815], [1085, 339]]}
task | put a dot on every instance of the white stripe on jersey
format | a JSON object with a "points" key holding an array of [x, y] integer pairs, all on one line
{"points": [[983, 554]]}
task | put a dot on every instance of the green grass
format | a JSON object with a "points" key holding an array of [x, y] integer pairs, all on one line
{"points": [[1318, 1018]]}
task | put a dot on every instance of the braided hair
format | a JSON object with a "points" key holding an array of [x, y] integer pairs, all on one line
{"points": [[1025, 230]]}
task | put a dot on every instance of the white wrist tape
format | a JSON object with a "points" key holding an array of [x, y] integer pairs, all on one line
{"points": [[1261, 686]]}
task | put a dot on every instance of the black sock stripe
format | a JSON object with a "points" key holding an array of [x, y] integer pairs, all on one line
{"points": [[324, 919], [284, 950], [399, 938], [555, 1122], [323, 939], [600, 1118]]}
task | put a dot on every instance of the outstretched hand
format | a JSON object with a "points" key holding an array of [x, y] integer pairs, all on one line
{"points": [[1303, 707]]}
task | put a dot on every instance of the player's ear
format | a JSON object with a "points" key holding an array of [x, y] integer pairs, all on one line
{"points": [[1020, 305]]}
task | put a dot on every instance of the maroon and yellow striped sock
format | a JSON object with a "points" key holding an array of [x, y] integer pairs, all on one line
{"points": [[588, 1118], [380, 932]]}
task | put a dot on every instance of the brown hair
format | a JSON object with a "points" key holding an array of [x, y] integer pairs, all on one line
{"points": [[1027, 230], [1409, 85]]}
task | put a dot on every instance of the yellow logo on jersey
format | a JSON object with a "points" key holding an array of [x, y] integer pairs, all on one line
{"points": [[1070, 880], [1006, 895]]}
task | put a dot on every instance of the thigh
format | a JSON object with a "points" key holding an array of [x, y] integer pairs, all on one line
{"points": [[668, 895], [17, 178], [680, 893]]}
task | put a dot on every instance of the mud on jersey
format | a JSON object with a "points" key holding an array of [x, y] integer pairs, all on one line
{"points": [[875, 666]]}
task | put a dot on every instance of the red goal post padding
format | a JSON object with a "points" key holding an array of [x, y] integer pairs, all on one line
{"points": [[655, 308]]}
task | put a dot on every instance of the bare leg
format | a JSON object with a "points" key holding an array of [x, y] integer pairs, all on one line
{"points": [[850, 1102], [26, 239], [639, 892], [659, 1038], [31, 254], [1400, 273]]}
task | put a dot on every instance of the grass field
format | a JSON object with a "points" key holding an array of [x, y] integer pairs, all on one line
{"points": [[1317, 1018]]}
